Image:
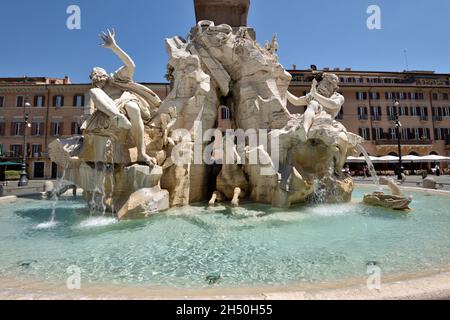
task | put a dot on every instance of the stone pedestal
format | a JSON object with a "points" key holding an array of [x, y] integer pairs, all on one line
{"points": [[231, 12]]}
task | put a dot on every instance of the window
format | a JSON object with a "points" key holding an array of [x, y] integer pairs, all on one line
{"points": [[405, 134], [417, 96], [361, 96], [20, 100], [403, 111], [416, 133], [445, 96], [39, 101], [375, 95], [376, 113], [2, 101], [78, 100], [364, 132], [392, 134], [58, 101], [17, 150], [435, 96], [392, 112], [446, 111], [378, 133], [225, 113], [36, 150], [37, 129], [423, 113], [76, 128], [2, 128], [340, 116], [438, 134], [389, 96], [16, 128], [362, 113], [57, 129]]}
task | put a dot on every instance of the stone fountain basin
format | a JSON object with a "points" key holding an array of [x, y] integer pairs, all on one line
{"points": [[310, 252]]}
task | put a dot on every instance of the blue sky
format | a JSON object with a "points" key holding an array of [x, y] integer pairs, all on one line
{"points": [[34, 40]]}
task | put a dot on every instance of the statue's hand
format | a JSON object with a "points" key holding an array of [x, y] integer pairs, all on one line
{"points": [[109, 40]]}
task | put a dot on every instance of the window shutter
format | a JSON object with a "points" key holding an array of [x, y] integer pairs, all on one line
{"points": [[54, 101], [33, 129], [21, 129], [53, 128], [74, 101], [428, 133], [62, 101], [35, 101], [61, 129], [2, 128]]}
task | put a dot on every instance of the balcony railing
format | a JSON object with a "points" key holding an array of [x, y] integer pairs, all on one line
{"points": [[404, 142], [423, 118], [437, 118], [363, 117]]}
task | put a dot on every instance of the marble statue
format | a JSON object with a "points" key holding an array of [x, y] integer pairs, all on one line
{"points": [[395, 201], [323, 96], [127, 159], [127, 103]]}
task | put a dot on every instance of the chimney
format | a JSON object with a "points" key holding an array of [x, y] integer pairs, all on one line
{"points": [[294, 67]]}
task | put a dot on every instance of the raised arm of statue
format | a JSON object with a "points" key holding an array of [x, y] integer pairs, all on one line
{"points": [[127, 70], [298, 101]]}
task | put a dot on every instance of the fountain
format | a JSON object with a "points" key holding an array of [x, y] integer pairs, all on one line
{"points": [[260, 202], [160, 152]]}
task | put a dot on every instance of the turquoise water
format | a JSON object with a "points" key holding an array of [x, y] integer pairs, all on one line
{"points": [[250, 246]]}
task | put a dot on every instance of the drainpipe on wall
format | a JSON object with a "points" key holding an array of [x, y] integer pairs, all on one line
{"points": [[430, 112], [370, 116], [46, 126]]}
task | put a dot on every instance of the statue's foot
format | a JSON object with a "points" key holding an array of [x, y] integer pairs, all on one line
{"points": [[122, 122], [151, 162]]}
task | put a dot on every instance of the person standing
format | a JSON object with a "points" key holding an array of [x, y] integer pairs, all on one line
{"points": [[438, 170]]}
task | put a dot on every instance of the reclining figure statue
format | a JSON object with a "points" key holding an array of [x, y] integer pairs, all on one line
{"points": [[128, 104]]}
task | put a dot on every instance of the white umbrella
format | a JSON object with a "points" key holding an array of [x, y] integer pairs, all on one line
{"points": [[434, 158], [356, 160], [411, 158], [388, 159]]}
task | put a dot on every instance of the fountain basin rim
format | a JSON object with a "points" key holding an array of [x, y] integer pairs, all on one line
{"points": [[412, 189], [432, 286]]}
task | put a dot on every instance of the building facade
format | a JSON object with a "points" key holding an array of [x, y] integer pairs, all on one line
{"points": [[420, 99], [57, 109]]}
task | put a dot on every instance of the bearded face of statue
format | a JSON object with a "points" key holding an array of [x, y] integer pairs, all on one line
{"points": [[99, 77], [329, 85]]}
